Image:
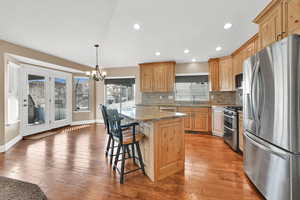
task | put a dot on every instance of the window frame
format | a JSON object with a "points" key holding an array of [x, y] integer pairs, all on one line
{"points": [[74, 95]]}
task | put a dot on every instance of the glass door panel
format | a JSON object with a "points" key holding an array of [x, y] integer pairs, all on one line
{"points": [[60, 98], [36, 100]]}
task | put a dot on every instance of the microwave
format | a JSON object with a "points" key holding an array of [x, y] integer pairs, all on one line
{"points": [[239, 81]]}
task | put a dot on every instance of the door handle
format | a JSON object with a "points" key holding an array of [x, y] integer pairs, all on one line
{"points": [[252, 92]]}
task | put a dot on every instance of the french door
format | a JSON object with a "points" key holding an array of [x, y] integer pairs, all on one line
{"points": [[46, 99]]}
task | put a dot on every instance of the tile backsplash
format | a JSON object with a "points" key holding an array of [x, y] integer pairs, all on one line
{"points": [[158, 98], [169, 98], [239, 97], [222, 97]]}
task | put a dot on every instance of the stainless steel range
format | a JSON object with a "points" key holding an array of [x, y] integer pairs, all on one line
{"points": [[231, 129]]}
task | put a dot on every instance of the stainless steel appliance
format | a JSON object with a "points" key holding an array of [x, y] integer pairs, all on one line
{"points": [[239, 81], [231, 130], [271, 99]]}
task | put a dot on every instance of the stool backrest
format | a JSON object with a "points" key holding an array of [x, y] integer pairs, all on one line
{"points": [[114, 121], [104, 115]]}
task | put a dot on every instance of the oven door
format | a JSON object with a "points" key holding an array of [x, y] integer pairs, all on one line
{"points": [[231, 137], [230, 121]]}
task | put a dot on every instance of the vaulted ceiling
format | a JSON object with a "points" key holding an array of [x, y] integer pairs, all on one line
{"points": [[69, 29]]}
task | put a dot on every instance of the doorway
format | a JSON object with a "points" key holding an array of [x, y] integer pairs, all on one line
{"points": [[46, 99]]}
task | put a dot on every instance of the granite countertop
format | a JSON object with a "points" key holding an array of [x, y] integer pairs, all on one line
{"points": [[144, 114], [186, 105]]}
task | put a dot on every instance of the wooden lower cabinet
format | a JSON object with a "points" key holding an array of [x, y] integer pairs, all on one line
{"points": [[241, 132], [169, 148], [198, 119]]}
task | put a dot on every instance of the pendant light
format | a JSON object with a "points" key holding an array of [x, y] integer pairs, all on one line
{"points": [[98, 74]]}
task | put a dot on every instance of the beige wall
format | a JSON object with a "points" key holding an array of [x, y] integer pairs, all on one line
{"points": [[6, 134], [181, 68], [197, 67]]}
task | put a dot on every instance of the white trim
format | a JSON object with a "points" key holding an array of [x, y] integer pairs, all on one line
{"points": [[99, 121], [10, 144], [83, 122], [218, 134], [81, 111], [34, 62], [193, 74], [117, 77]]}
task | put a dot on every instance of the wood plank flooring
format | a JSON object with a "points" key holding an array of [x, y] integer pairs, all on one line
{"points": [[72, 166]]}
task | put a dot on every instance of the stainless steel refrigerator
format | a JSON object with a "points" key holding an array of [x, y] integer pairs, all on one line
{"points": [[271, 105]]}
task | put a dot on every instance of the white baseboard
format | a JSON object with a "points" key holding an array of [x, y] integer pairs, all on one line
{"points": [[10, 144], [99, 121], [218, 134], [76, 123]]}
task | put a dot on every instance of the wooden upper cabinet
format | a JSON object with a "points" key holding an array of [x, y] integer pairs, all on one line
{"points": [[270, 26], [214, 74], [157, 77], [278, 20], [226, 74], [291, 17], [146, 78]]}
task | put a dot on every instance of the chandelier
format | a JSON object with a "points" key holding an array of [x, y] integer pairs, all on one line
{"points": [[97, 74]]}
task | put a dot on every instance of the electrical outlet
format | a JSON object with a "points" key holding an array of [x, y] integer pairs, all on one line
{"points": [[170, 97], [160, 97]]}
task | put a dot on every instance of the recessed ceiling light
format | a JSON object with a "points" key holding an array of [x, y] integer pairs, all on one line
{"points": [[194, 60], [136, 26], [218, 48], [186, 51], [227, 26], [157, 53]]}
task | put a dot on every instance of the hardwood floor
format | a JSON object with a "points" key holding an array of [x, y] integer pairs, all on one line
{"points": [[72, 166]]}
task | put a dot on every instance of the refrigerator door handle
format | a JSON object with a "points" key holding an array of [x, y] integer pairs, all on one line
{"points": [[267, 147], [252, 92]]}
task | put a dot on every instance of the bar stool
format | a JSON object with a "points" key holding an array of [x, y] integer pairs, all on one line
{"points": [[110, 146], [125, 139]]}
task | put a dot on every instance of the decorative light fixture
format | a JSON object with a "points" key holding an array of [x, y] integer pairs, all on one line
{"points": [[97, 74]]}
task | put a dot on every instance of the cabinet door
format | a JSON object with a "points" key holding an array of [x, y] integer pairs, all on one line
{"points": [[163, 77], [249, 50], [226, 74], [187, 121], [237, 61], [159, 78], [170, 77], [241, 133], [270, 29], [214, 75], [291, 17], [218, 121], [200, 122], [169, 147], [146, 76]]}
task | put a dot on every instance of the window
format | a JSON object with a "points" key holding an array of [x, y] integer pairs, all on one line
{"points": [[191, 88], [13, 93], [81, 93], [119, 93]]}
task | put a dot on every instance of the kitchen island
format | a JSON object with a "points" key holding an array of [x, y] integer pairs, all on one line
{"points": [[163, 145]]}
